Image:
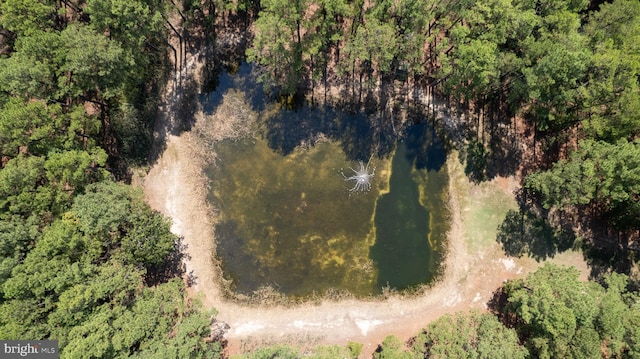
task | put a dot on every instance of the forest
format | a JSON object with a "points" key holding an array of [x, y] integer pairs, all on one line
{"points": [[547, 90]]}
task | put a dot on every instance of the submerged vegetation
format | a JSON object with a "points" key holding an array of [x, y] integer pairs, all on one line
{"points": [[546, 90], [288, 222]]}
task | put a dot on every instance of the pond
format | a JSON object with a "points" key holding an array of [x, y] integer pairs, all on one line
{"points": [[288, 220]]}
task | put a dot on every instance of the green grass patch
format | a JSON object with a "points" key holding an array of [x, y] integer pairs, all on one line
{"points": [[483, 207]]}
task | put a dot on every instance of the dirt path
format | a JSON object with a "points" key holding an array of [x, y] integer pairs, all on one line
{"points": [[177, 187]]}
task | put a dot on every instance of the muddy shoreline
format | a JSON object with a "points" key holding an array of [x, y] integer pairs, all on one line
{"points": [[177, 187]]}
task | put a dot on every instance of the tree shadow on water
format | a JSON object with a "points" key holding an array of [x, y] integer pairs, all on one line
{"points": [[243, 78], [424, 148], [287, 129], [524, 232]]}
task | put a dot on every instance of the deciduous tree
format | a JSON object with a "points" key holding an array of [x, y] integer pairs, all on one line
{"points": [[468, 335]]}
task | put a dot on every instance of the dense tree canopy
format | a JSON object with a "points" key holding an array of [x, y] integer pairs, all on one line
{"points": [[601, 174], [78, 251], [559, 316], [468, 335], [89, 269]]}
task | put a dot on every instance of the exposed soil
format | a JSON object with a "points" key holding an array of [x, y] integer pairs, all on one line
{"points": [[177, 187]]}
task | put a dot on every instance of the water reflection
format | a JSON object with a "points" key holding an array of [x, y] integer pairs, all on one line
{"points": [[287, 219], [290, 222], [402, 252]]}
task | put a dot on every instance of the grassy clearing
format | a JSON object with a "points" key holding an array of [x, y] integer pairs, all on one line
{"points": [[483, 207], [484, 211]]}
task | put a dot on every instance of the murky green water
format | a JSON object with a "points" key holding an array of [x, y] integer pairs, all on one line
{"points": [[286, 218], [289, 221], [409, 226]]}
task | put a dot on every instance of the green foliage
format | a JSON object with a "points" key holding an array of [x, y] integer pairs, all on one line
{"points": [[148, 241], [52, 61], [70, 171], [558, 65], [132, 131], [24, 319], [89, 269], [598, 173], [36, 128], [391, 348], [468, 335], [560, 316], [85, 68], [632, 327], [279, 351], [324, 33], [331, 351], [25, 16], [91, 338], [103, 208], [77, 251], [20, 193], [374, 42], [31, 70], [355, 349], [38, 185], [29, 125], [130, 22], [116, 219], [278, 44], [132, 25], [16, 237], [156, 325], [613, 93]]}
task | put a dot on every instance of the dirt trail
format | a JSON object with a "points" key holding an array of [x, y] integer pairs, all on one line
{"points": [[177, 187]]}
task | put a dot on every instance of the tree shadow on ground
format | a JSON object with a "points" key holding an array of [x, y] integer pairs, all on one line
{"points": [[524, 232], [483, 162], [475, 157], [180, 108], [607, 246], [504, 153], [494, 149], [172, 267], [541, 234], [605, 259]]}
